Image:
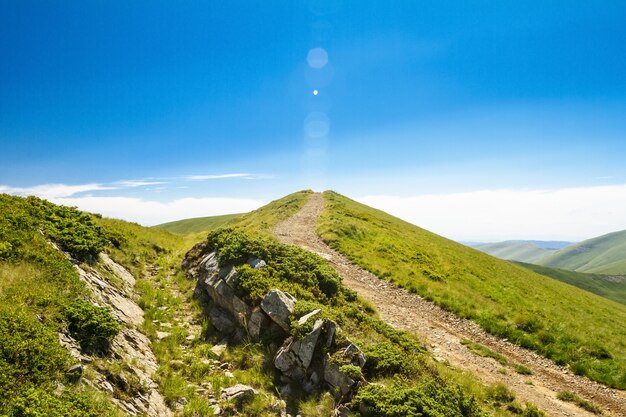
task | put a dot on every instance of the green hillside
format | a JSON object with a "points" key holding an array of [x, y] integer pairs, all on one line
{"points": [[602, 255], [515, 250], [562, 322], [198, 224], [612, 287]]}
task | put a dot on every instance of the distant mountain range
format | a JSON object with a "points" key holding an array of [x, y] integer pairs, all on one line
{"points": [[605, 254]]}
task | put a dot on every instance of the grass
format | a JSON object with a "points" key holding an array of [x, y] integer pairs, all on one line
{"points": [[484, 351], [198, 224], [604, 254], [612, 287], [571, 326], [582, 403], [263, 220]]}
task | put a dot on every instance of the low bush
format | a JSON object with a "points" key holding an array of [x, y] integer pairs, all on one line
{"points": [[92, 326]]}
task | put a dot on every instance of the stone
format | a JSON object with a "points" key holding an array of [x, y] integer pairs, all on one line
{"points": [[257, 263], [222, 320], [231, 277], [286, 359], [257, 322], [331, 331], [308, 343], [210, 263], [241, 311], [238, 392], [302, 320], [279, 306], [337, 379], [352, 352], [162, 335], [218, 349]]}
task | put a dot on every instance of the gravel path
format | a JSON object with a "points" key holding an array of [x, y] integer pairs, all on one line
{"points": [[442, 331]]}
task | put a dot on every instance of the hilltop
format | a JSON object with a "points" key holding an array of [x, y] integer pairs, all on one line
{"points": [[198, 224], [604, 254], [141, 332]]}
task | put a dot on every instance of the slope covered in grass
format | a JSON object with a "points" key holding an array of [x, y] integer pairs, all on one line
{"points": [[604, 254], [564, 323], [515, 250], [612, 287], [198, 224]]}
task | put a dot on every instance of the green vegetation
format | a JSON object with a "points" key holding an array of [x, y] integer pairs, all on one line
{"points": [[264, 219], [601, 255], [612, 287], [564, 323], [40, 295], [404, 380], [484, 351], [198, 224], [582, 403]]}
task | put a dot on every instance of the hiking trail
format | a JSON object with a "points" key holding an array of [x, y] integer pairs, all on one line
{"points": [[442, 331]]}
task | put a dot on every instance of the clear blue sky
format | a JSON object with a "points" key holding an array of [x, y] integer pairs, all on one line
{"points": [[416, 97]]}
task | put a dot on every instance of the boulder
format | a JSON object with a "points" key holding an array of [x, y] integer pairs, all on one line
{"points": [[230, 276], [331, 331], [336, 378], [257, 322], [210, 263], [279, 306], [238, 392], [257, 263], [241, 311], [353, 353], [222, 320], [307, 345]]}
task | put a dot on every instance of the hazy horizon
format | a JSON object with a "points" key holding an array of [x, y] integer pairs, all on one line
{"points": [[478, 121]]}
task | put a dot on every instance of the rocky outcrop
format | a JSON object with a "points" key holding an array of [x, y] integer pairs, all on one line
{"points": [[311, 357], [130, 346]]}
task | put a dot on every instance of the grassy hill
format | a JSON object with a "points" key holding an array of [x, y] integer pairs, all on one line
{"points": [[198, 224], [562, 322], [515, 250], [601, 255], [612, 287]]}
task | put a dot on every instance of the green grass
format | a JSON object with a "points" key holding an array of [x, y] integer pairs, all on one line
{"points": [[612, 287], [198, 224], [602, 255], [263, 220], [562, 322], [582, 403], [484, 351]]}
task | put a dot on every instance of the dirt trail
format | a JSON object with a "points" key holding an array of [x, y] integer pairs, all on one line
{"points": [[442, 331]]}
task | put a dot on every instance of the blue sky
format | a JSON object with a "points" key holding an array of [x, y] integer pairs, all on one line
{"points": [[416, 98]]}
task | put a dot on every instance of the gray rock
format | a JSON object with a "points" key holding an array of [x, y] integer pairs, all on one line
{"points": [[308, 343], [279, 306], [257, 322], [231, 277], [331, 331], [210, 263], [257, 263], [337, 379], [286, 359], [241, 311], [222, 320], [302, 320], [218, 349], [238, 392], [354, 353]]}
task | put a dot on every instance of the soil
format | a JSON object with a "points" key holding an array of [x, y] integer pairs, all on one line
{"points": [[442, 331]]}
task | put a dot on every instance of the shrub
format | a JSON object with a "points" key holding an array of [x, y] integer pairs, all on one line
{"points": [[351, 371], [385, 359], [94, 327]]}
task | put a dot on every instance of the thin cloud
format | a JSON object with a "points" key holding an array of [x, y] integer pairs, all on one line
{"points": [[138, 183], [149, 212], [50, 191], [570, 214], [217, 176]]}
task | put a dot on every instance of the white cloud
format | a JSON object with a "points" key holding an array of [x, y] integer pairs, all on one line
{"points": [[138, 183], [215, 177], [491, 215], [50, 191], [149, 213]]}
